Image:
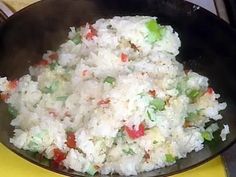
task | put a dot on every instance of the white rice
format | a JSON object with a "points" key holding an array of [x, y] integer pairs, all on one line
{"points": [[70, 95]]}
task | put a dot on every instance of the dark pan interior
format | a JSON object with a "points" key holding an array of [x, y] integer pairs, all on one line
{"points": [[208, 47]]}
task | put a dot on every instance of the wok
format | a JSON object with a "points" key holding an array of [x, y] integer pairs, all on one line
{"points": [[208, 47]]}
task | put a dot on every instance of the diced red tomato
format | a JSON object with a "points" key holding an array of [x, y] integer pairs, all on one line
{"points": [[70, 140], [12, 84], [4, 96], [124, 57], [134, 134], [210, 90], [92, 32], [104, 102], [152, 93], [53, 56], [59, 156]]}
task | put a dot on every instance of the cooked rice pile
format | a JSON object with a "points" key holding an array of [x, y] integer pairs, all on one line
{"points": [[113, 99]]}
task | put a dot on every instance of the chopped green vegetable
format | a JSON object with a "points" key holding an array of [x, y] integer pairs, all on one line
{"points": [[207, 135], [91, 170], [192, 94], [12, 110], [128, 151], [61, 98], [53, 65], [192, 116], [181, 86], [36, 141], [157, 104], [151, 115], [170, 158], [77, 39], [52, 88], [156, 31], [155, 142], [110, 80]]}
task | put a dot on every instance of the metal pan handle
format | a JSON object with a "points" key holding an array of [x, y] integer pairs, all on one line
{"points": [[5, 12]]}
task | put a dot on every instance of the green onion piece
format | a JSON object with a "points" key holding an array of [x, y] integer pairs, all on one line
{"points": [[128, 151], [91, 170], [151, 115], [158, 104], [170, 158], [61, 98], [192, 116], [156, 32], [12, 110], [46, 90], [52, 88], [77, 39], [110, 80], [207, 135], [192, 94]]}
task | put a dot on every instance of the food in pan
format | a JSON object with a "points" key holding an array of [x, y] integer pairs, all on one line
{"points": [[113, 99]]}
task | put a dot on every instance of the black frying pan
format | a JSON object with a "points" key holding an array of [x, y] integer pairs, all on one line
{"points": [[208, 47]]}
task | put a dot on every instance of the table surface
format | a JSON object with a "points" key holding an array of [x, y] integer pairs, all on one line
{"points": [[23, 168]]}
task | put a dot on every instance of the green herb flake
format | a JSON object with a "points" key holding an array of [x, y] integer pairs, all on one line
{"points": [[170, 158], [12, 110], [151, 115], [155, 142], [61, 98], [52, 88], [207, 135], [110, 80], [157, 104], [191, 116], [128, 151], [77, 39], [156, 31], [53, 65]]}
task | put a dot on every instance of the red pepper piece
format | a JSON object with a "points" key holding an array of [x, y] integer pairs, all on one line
{"points": [[124, 57], [12, 84], [210, 90], [53, 56], [42, 63], [104, 102], [85, 72], [59, 156], [152, 93], [4, 96], [92, 32], [71, 143], [134, 134]]}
